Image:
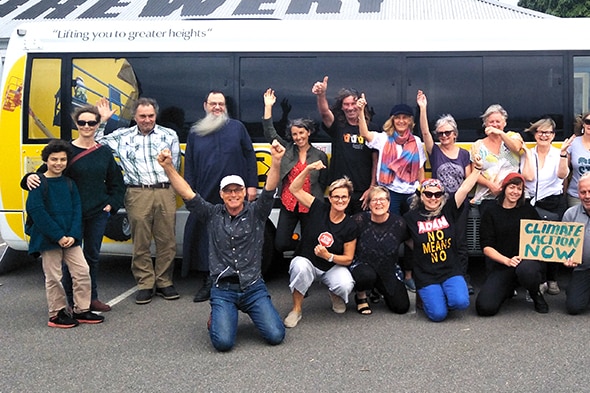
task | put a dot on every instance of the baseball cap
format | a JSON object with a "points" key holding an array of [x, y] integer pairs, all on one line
{"points": [[231, 179]]}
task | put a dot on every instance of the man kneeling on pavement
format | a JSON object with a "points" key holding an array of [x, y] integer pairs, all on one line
{"points": [[236, 234]]}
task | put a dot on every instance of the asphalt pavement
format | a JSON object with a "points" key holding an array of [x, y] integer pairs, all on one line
{"points": [[164, 346]]}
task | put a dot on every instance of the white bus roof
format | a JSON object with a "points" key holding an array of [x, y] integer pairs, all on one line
{"points": [[302, 36], [12, 13]]}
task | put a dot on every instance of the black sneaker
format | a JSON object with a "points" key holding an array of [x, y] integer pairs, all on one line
{"points": [[204, 293], [541, 305], [168, 293], [88, 317], [375, 296], [144, 296], [62, 320]]}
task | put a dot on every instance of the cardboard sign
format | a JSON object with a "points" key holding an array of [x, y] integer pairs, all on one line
{"points": [[551, 241]]}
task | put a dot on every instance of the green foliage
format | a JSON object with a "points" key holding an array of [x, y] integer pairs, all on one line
{"points": [[561, 8]]}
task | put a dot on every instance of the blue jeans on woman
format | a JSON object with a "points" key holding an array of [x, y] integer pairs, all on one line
{"points": [[452, 294], [227, 299], [399, 203], [92, 232]]}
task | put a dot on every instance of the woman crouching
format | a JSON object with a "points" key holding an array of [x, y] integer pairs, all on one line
{"points": [[434, 225], [499, 238], [327, 245]]}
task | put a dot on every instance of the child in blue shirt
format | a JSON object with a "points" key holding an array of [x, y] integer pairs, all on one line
{"points": [[55, 234]]}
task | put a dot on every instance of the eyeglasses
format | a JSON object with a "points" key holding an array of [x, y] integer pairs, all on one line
{"points": [[546, 133], [587, 122], [90, 123], [430, 194], [379, 200], [444, 133], [339, 197], [233, 190], [214, 104]]}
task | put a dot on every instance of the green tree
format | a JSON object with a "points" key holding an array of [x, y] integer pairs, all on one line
{"points": [[561, 8]]}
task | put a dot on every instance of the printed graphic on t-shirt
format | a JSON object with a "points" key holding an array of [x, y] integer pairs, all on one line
{"points": [[583, 165], [436, 242], [357, 141], [451, 175]]}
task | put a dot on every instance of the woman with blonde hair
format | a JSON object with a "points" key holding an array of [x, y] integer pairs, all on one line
{"points": [[375, 260], [434, 226], [400, 166], [327, 245]]}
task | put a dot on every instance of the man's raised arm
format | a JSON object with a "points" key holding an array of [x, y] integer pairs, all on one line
{"points": [[178, 183]]}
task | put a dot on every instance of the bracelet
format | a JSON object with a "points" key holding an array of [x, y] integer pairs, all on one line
{"points": [[563, 155], [478, 168], [331, 259]]}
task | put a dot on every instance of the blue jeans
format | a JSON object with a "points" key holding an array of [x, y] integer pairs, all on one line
{"points": [[255, 301], [399, 203], [93, 230], [439, 298]]}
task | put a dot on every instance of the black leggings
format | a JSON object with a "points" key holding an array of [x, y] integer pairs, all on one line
{"points": [[393, 290], [502, 281]]}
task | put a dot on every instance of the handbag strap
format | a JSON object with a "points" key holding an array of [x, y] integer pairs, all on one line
{"points": [[84, 153], [536, 198]]}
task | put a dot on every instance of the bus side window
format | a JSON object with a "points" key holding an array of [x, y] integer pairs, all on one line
{"points": [[44, 119]]}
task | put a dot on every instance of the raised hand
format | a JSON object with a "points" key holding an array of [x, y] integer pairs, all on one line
{"points": [[361, 102], [104, 109], [421, 99], [320, 88], [269, 97]]}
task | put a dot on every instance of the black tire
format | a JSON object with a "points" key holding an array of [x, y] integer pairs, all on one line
{"points": [[118, 227], [11, 259]]}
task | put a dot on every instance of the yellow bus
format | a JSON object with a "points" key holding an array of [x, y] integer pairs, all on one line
{"points": [[531, 67]]}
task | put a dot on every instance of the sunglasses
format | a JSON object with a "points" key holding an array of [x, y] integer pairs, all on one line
{"points": [[444, 133], [587, 122], [430, 194], [83, 123]]}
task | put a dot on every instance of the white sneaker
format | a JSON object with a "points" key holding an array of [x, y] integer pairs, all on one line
{"points": [[292, 319], [553, 288], [543, 288], [338, 305]]}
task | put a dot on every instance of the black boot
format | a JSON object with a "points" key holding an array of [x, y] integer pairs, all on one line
{"points": [[204, 293], [541, 305]]}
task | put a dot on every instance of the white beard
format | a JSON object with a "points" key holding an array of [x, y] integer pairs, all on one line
{"points": [[209, 124]]}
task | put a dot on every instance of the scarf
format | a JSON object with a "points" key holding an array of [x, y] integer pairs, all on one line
{"points": [[406, 166]]}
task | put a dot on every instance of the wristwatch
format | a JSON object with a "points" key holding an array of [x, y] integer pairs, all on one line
{"points": [[331, 259]]}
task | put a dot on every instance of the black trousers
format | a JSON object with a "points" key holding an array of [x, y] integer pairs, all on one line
{"points": [[394, 291]]}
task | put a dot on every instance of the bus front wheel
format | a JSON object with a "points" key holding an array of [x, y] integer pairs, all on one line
{"points": [[11, 259]]}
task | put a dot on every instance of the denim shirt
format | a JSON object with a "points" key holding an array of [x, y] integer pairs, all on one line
{"points": [[235, 243]]}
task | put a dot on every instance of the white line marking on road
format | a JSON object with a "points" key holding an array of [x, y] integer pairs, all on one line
{"points": [[122, 296]]}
